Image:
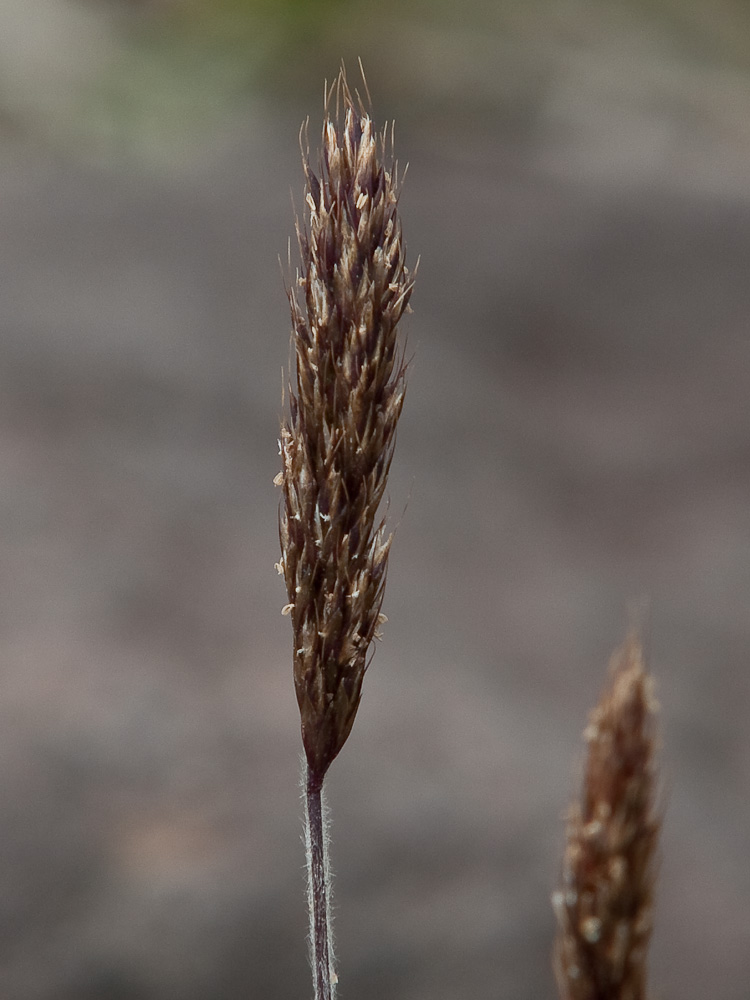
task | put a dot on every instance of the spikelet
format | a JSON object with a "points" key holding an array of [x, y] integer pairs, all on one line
{"points": [[604, 906], [345, 400]]}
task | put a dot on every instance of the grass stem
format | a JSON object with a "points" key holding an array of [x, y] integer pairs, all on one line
{"points": [[318, 888]]}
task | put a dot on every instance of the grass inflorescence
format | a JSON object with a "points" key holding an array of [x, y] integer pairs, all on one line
{"points": [[345, 398]]}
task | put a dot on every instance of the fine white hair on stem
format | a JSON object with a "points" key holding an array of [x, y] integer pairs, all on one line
{"points": [[327, 883]]}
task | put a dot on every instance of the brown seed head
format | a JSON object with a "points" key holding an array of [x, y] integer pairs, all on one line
{"points": [[604, 906], [336, 445]]}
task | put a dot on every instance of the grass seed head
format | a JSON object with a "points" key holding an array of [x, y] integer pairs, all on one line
{"points": [[604, 906], [345, 398]]}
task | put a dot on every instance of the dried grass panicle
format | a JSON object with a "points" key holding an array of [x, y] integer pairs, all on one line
{"points": [[336, 445], [604, 906]]}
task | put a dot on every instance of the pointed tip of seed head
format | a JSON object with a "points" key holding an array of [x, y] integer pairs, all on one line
{"points": [[344, 98]]}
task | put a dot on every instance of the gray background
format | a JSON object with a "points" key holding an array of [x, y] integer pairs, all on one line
{"points": [[576, 438]]}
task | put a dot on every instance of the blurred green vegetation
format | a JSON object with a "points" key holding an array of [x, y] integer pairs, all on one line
{"points": [[176, 69], [231, 47], [183, 67]]}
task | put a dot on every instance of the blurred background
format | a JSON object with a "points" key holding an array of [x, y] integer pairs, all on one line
{"points": [[576, 438]]}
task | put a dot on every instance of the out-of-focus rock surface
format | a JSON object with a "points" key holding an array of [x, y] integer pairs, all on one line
{"points": [[576, 438]]}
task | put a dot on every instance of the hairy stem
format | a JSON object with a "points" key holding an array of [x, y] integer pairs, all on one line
{"points": [[318, 888]]}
